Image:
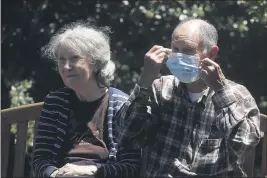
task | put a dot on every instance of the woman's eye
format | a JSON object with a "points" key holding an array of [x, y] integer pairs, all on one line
{"points": [[61, 60], [75, 57]]}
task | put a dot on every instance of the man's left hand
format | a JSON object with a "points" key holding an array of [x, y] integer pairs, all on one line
{"points": [[212, 74]]}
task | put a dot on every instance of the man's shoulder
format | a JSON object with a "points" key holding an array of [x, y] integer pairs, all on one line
{"points": [[165, 82], [239, 90], [116, 94], [165, 86]]}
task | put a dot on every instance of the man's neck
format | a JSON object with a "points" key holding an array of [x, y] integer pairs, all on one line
{"points": [[196, 87]]}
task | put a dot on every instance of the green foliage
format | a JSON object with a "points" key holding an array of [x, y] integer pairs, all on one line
{"points": [[257, 10], [19, 93], [20, 96], [137, 25]]}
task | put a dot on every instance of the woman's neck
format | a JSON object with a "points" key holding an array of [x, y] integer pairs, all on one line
{"points": [[90, 92]]}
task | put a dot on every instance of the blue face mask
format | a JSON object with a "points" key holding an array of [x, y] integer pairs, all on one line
{"points": [[184, 67]]}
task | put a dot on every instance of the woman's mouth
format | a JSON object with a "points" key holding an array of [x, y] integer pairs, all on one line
{"points": [[69, 76]]}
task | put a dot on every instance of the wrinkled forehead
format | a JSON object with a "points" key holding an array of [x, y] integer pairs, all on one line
{"points": [[187, 31]]}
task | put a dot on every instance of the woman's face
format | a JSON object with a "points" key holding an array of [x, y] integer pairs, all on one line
{"points": [[74, 70]]}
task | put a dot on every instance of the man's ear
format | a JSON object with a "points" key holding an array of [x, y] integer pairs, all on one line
{"points": [[213, 52]]}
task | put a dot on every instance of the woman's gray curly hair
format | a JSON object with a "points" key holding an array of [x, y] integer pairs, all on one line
{"points": [[89, 42]]}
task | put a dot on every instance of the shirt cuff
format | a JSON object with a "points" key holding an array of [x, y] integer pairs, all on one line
{"points": [[100, 173], [223, 97], [140, 93], [49, 170]]}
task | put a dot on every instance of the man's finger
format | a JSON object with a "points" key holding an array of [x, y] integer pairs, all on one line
{"points": [[168, 52], [207, 61], [154, 48], [160, 50], [203, 73], [210, 68]]}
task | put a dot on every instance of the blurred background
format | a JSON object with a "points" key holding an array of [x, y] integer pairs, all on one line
{"points": [[137, 26]]}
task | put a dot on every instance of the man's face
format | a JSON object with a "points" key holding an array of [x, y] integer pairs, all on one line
{"points": [[185, 40]]}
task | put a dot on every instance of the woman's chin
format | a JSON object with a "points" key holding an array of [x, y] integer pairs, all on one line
{"points": [[73, 84]]}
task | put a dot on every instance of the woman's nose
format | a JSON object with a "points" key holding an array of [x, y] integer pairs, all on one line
{"points": [[68, 65]]}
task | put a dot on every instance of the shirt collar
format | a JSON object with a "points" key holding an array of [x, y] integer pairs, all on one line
{"points": [[182, 91]]}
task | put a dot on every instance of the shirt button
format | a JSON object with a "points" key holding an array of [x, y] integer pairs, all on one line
{"points": [[190, 166]]}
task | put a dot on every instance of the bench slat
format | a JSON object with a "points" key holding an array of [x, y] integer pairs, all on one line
{"points": [[20, 149], [29, 112], [5, 141], [264, 156], [249, 162], [263, 128], [263, 125]]}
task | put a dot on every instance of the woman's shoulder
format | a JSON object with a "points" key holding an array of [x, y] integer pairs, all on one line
{"points": [[59, 95], [61, 92]]}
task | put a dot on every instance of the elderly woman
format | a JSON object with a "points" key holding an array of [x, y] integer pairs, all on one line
{"points": [[76, 134]]}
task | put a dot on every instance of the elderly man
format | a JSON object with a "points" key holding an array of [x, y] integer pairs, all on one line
{"points": [[195, 122]]}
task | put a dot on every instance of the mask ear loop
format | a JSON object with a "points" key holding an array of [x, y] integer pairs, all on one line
{"points": [[198, 67], [168, 53]]}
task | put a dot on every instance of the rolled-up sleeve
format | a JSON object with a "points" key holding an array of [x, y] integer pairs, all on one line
{"points": [[127, 165], [239, 118], [136, 117]]}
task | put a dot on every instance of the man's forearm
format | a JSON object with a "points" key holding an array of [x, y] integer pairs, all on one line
{"points": [[135, 118], [127, 165]]}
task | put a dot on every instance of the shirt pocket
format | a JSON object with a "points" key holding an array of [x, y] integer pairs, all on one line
{"points": [[207, 160], [210, 146]]}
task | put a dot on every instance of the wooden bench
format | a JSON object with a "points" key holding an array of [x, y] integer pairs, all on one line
{"points": [[23, 114], [250, 156]]}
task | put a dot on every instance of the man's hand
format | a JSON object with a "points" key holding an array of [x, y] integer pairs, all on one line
{"points": [[212, 74], [76, 169], [154, 59]]}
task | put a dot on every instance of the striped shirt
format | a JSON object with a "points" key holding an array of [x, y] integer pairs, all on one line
{"points": [[52, 129], [204, 138]]}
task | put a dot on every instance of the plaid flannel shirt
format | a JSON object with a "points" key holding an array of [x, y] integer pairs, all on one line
{"points": [[205, 138]]}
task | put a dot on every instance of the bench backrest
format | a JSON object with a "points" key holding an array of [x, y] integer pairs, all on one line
{"points": [[250, 156], [20, 116]]}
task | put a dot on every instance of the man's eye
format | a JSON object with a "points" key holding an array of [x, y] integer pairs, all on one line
{"points": [[188, 51], [175, 50]]}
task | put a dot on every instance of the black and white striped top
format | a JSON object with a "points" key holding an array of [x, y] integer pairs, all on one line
{"points": [[52, 129]]}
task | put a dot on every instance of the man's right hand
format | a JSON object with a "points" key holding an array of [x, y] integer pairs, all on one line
{"points": [[154, 59]]}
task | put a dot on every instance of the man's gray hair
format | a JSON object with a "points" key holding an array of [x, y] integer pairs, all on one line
{"points": [[87, 41], [208, 34]]}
